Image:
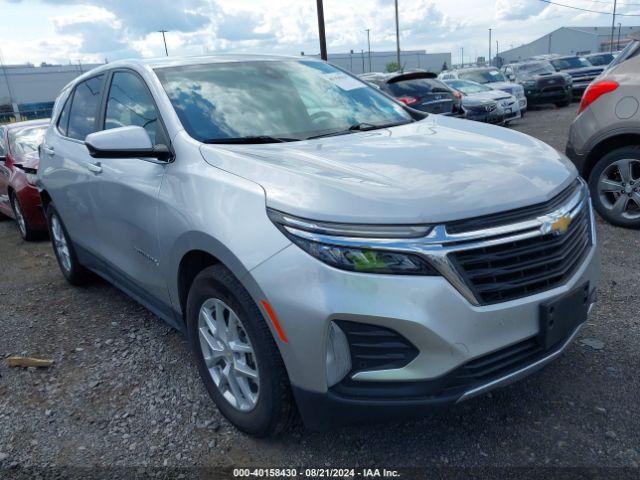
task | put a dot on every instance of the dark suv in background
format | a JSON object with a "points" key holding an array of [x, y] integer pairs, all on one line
{"points": [[581, 70], [419, 90], [542, 84], [602, 59]]}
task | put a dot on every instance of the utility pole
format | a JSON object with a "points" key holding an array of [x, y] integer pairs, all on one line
{"points": [[368, 30], [497, 52], [619, 28], [550, 36], [164, 39], [462, 56], [398, 37], [613, 23], [489, 47], [323, 38]]}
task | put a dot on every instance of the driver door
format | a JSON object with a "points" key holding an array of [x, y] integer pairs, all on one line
{"points": [[127, 195]]}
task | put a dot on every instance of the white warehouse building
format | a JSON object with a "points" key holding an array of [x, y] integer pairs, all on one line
{"points": [[570, 41], [28, 92], [360, 62]]}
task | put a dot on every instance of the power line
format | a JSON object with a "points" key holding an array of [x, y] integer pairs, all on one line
{"points": [[624, 4], [590, 11]]}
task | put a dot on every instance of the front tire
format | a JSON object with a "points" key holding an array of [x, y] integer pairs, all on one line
{"points": [[564, 103], [615, 187], [236, 354], [73, 271]]}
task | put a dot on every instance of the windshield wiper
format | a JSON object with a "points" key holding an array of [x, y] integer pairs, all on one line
{"points": [[359, 127], [250, 140]]}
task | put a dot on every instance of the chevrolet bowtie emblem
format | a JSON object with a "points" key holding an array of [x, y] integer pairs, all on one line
{"points": [[557, 225]]}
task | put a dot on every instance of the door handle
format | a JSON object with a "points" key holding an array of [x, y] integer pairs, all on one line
{"points": [[48, 150], [94, 167]]}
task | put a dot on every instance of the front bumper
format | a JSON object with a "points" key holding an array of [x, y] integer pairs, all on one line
{"points": [[537, 97], [321, 411], [522, 103], [579, 86], [496, 117], [447, 330]]}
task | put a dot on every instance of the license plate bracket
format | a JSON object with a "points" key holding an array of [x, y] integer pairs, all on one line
{"points": [[561, 316]]}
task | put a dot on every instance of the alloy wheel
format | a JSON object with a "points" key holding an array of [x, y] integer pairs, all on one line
{"points": [[60, 243], [619, 189], [228, 354]]}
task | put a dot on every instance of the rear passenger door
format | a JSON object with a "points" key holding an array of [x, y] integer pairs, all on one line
{"points": [[70, 171], [127, 190]]}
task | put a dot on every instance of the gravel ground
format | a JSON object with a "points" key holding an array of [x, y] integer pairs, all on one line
{"points": [[124, 390]]}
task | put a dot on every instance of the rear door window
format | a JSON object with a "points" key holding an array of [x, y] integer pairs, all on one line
{"points": [[84, 108]]}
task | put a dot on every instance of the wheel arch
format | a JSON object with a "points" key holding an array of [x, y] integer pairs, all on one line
{"points": [[195, 251], [608, 145], [191, 264]]}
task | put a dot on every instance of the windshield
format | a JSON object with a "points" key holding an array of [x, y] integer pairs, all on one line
{"points": [[467, 87], [26, 140], [288, 99], [600, 60], [483, 76], [537, 68], [571, 62]]}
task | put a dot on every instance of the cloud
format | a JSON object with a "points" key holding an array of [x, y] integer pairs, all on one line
{"points": [[518, 9]]}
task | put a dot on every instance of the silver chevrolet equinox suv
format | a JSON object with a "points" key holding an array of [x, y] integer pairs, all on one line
{"points": [[325, 249]]}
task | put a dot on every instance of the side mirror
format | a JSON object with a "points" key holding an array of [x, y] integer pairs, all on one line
{"points": [[125, 142]]}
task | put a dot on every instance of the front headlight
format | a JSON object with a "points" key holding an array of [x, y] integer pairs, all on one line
{"points": [[328, 242], [529, 83]]}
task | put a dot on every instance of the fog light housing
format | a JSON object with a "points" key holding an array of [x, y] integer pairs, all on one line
{"points": [[338, 359]]}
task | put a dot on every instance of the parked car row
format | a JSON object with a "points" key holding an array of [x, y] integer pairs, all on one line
{"points": [[424, 91], [324, 249]]}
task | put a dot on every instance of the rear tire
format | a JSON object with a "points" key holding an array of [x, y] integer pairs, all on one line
{"points": [[73, 271], [26, 232], [614, 183], [268, 408]]}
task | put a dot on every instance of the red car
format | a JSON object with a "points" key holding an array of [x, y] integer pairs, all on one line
{"points": [[19, 197]]}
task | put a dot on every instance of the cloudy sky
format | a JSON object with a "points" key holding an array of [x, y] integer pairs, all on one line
{"points": [[63, 31]]}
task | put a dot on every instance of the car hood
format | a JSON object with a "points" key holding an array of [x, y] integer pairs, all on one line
{"points": [[504, 86], [438, 169], [27, 160], [583, 71], [493, 95]]}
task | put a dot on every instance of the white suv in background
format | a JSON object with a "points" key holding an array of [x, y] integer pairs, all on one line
{"points": [[490, 77]]}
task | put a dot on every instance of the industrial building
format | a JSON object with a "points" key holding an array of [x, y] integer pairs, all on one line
{"points": [[28, 91], [363, 62], [570, 41]]}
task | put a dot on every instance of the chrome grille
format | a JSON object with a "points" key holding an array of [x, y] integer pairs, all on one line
{"points": [[517, 269]]}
